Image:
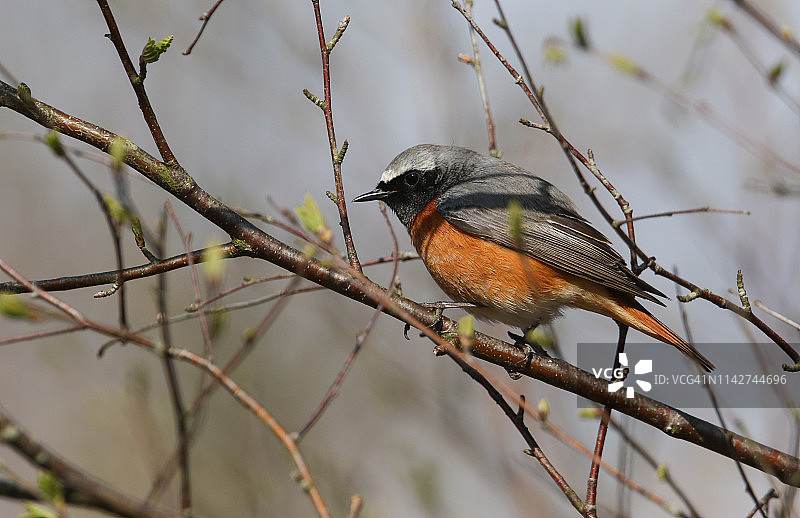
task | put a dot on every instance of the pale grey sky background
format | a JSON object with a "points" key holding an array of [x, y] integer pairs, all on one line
{"points": [[409, 432]]}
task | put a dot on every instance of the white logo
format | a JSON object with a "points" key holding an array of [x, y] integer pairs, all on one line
{"points": [[641, 367]]}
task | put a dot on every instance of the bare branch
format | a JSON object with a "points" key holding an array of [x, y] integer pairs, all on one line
{"points": [[227, 251], [205, 18], [337, 155], [782, 35], [671, 213], [79, 488], [137, 82], [475, 62]]}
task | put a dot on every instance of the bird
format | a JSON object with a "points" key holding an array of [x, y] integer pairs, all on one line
{"points": [[510, 245]]}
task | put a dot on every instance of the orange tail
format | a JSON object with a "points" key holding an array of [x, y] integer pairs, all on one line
{"points": [[637, 317]]}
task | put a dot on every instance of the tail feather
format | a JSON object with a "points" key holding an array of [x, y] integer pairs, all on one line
{"points": [[641, 319]]}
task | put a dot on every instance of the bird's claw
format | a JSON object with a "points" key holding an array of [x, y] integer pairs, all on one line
{"points": [[438, 308], [436, 326], [530, 349]]}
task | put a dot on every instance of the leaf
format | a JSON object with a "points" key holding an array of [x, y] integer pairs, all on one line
{"points": [[24, 93], [515, 222], [51, 487], [775, 72], [213, 264], [624, 64], [153, 49], [537, 336], [588, 413], [13, 306], [544, 408], [466, 327], [577, 29], [312, 219], [717, 18], [117, 210], [554, 53], [54, 143], [37, 511], [118, 150], [217, 323]]}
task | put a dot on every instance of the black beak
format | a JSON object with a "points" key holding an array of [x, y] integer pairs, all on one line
{"points": [[377, 194]]}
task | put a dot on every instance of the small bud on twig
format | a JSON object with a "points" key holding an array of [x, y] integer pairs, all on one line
{"points": [[338, 34], [314, 99]]}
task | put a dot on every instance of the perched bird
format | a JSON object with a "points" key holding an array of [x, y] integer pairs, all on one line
{"points": [[510, 243]]}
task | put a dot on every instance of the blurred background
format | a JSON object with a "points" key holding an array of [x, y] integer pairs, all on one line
{"points": [[409, 432]]}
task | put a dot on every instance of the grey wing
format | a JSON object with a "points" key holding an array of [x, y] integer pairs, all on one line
{"points": [[551, 230]]}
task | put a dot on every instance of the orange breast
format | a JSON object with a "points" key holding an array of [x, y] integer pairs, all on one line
{"points": [[514, 288]]}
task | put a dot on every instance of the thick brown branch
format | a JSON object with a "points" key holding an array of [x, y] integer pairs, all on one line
{"points": [[675, 423]]}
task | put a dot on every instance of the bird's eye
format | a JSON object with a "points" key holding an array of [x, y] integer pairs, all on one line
{"points": [[411, 178]]}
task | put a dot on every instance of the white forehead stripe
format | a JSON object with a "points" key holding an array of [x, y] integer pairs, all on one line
{"points": [[390, 174], [411, 159]]}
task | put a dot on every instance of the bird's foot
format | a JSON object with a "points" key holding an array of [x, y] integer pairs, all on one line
{"points": [[529, 348], [439, 308]]}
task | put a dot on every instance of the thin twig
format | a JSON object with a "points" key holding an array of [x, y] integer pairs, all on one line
{"points": [[179, 415], [475, 62], [701, 107], [337, 155], [683, 211], [304, 475], [763, 503], [785, 320], [784, 36], [602, 431], [161, 480], [226, 251], [205, 18], [112, 223], [99, 158], [739, 468], [664, 474], [333, 390], [240, 395], [715, 403], [770, 77], [222, 309], [79, 487], [138, 86], [556, 431], [534, 450], [198, 296], [292, 227], [39, 334]]}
